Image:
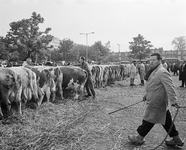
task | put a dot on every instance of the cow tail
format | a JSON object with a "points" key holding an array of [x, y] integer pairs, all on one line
{"points": [[17, 80], [49, 80], [30, 80], [17, 89]]}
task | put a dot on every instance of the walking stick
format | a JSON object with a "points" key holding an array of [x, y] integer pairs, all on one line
{"points": [[125, 107]]}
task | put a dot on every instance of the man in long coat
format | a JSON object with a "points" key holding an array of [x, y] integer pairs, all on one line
{"points": [[182, 73], [142, 72], [160, 91], [133, 72]]}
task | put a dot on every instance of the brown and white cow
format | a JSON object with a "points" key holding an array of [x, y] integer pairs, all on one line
{"points": [[96, 70], [57, 77], [29, 84], [10, 91], [105, 75], [46, 84], [74, 79]]}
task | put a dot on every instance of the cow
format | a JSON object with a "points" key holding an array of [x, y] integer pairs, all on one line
{"points": [[10, 91], [95, 75], [74, 79], [29, 84], [105, 76], [112, 75], [57, 77], [46, 84]]}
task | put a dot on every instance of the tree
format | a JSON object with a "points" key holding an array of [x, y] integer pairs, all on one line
{"points": [[55, 55], [64, 48], [25, 38], [99, 52], [140, 47], [179, 43], [4, 55], [80, 49]]}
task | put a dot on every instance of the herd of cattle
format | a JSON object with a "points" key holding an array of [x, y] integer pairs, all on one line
{"points": [[20, 86]]}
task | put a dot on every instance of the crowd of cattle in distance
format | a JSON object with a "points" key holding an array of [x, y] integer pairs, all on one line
{"points": [[20, 86]]}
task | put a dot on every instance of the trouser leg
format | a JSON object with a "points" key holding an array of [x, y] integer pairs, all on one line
{"points": [[91, 87], [183, 83], [168, 124], [142, 82], [131, 81], [144, 128], [87, 87]]}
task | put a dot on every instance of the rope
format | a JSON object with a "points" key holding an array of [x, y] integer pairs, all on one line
{"points": [[177, 110]]}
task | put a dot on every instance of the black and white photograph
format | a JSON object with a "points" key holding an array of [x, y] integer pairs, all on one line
{"points": [[92, 74]]}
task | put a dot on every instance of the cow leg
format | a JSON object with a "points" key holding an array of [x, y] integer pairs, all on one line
{"points": [[19, 108], [81, 90], [1, 114], [48, 94], [52, 96], [76, 95], [18, 102], [41, 96], [24, 97], [61, 94], [5, 108]]}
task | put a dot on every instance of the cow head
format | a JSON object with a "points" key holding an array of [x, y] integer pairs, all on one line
{"points": [[75, 87], [72, 85]]}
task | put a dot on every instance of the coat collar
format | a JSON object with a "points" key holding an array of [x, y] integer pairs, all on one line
{"points": [[154, 71]]}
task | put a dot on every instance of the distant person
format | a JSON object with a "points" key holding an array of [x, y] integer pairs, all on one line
{"points": [[28, 62], [89, 84], [165, 65], [182, 73], [160, 91], [133, 72], [146, 66], [142, 72]]}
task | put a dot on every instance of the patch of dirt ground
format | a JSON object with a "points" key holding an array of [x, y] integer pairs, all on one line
{"points": [[86, 125]]}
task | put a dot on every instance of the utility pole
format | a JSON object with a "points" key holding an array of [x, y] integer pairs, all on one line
{"points": [[119, 54], [87, 42]]}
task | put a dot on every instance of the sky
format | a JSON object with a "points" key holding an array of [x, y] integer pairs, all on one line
{"points": [[117, 21]]}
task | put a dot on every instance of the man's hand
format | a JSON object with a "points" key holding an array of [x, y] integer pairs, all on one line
{"points": [[176, 105]]}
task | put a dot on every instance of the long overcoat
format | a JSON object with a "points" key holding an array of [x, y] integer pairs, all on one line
{"points": [[159, 92], [142, 71], [182, 72], [133, 71]]}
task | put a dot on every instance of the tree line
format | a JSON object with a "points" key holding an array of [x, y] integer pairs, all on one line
{"points": [[25, 40]]}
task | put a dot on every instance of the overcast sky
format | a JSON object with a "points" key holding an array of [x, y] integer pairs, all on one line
{"points": [[117, 21]]}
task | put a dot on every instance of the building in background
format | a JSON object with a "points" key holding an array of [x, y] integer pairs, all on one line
{"points": [[55, 43], [167, 55]]}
